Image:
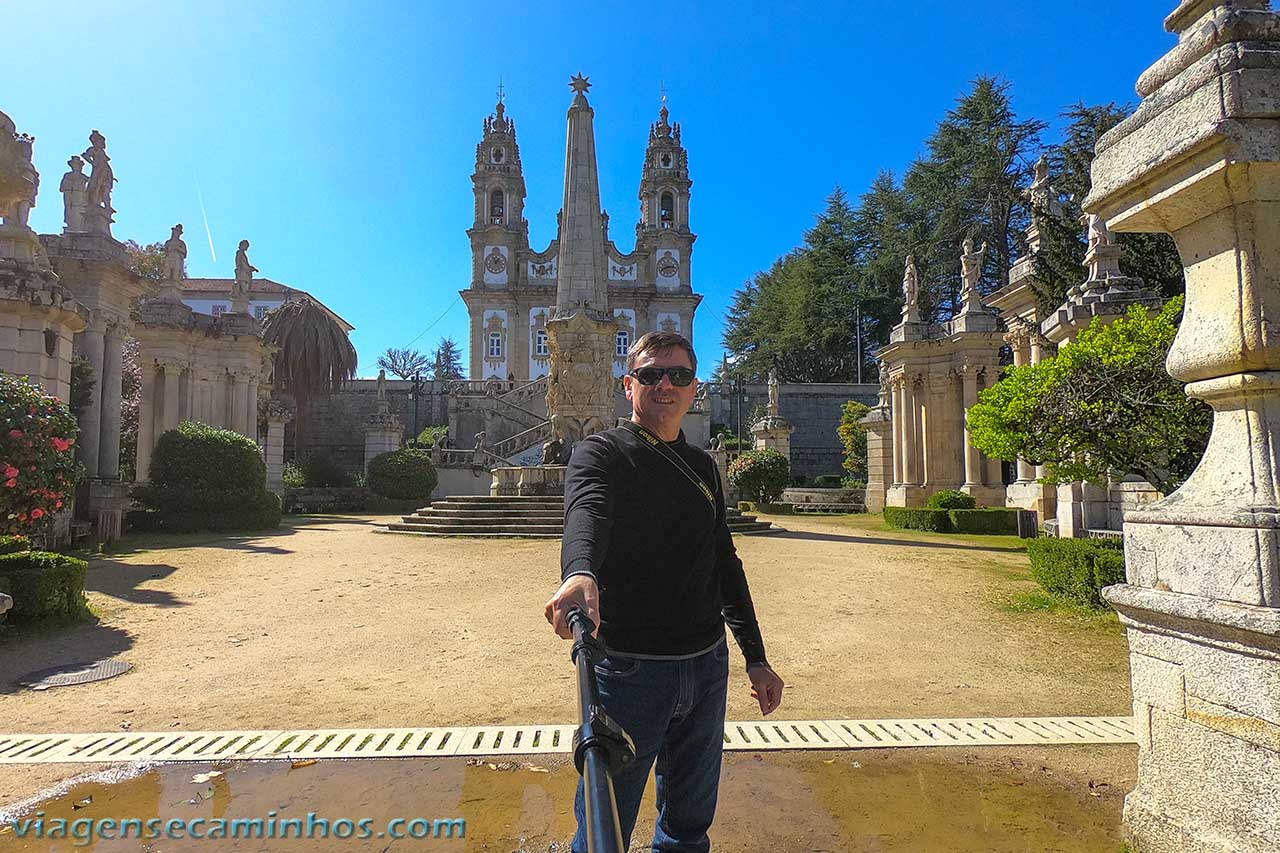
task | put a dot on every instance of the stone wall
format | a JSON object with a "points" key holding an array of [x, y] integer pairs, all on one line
{"points": [[335, 423]]}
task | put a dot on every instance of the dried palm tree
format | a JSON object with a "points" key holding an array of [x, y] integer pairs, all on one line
{"points": [[314, 355]]}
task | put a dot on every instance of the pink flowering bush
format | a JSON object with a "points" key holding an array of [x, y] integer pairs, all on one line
{"points": [[37, 456]]}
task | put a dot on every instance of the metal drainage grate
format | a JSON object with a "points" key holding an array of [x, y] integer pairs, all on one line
{"points": [[166, 747], [79, 673]]}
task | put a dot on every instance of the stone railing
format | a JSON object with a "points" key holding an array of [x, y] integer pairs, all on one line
{"points": [[449, 458], [522, 440], [540, 480]]}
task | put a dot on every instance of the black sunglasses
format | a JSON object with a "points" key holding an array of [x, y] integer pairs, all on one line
{"points": [[680, 376]]}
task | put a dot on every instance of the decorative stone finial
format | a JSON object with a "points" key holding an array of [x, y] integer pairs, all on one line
{"points": [[579, 84]]}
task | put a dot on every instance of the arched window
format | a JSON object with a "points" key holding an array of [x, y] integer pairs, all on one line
{"points": [[496, 207], [667, 210], [540, 345], [623, 343], [495, 345]]}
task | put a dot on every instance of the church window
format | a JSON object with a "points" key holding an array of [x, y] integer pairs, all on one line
{"points": [[495, 345], [497, 207], [540, 344], [666, 210], [623, 343], [219, 310]]}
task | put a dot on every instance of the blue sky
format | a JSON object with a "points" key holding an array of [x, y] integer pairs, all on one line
{"points": [[339, 137]]}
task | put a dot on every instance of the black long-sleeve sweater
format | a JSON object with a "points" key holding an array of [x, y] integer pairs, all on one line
{"points": [[661, 554]]}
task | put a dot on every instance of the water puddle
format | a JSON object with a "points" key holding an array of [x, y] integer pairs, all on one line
{"points": [[806, 802]]}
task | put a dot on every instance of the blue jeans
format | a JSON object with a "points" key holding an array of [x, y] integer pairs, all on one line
{"points": [[674, 712]]}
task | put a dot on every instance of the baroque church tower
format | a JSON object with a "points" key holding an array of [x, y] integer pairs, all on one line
{"points": [[514, 289]]}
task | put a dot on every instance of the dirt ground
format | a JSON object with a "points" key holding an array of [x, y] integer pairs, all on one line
{"points": [[327, 624]]}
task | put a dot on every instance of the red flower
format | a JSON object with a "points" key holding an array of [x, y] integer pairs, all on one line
{"points": [[37, 513], [11, 482], [10, 472], [58, 505], [61, 444], [15, 433]]}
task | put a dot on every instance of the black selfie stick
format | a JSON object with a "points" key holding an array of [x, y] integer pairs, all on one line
{"points": [[600, 746]]}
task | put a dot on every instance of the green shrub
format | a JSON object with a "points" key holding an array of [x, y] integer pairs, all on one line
{"points": [[293, 476], [748, 506], [917, 518], [43, 586], [829, 481], [321, 471], [951, 499], [852, 483], [1076, 568], [760, 475], [10, 544], [778, 509], [406, 473], [988, 521], [204, 478]]}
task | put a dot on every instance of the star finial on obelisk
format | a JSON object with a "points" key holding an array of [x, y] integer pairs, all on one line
{"points": [[579, 84]]}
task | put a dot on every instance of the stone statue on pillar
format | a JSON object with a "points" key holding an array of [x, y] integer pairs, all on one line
{"points": [[382, 385], [971, 272], [175, 258], [774, 389], [244, 280], [19, 180], [99, 214], [911, 292], [75, 195]]}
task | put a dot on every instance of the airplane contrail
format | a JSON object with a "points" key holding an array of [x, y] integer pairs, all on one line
{"points": [[205, 216]]}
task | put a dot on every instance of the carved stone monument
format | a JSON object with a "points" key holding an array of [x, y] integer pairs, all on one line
{"points": [[383, 430], [773, 432], [75, 195], [99, 214], [175, 265], [582, 334], [1199, 160], [244, 280]]}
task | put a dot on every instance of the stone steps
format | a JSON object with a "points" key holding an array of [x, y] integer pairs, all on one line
{"points": [[503, 516]]}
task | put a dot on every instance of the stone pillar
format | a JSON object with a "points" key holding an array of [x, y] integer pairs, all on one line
{"points": [[915, 438], [278, 415], [112, 375], [881, 456], [238, 397], [146, 423], [90, 344], [1199, 160], [171, 376], [251, 409], [899, 415], [972, 458]]}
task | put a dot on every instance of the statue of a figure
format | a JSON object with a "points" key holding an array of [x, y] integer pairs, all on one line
{"points": [[75, 194], [479, 445], [884, 385], [1099, 233], [102, 179], [382, 384], [244, 279], [175, 255], [971, 270], [772, 408], [1041, 192], [911, 291]]}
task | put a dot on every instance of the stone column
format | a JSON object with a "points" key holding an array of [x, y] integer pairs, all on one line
{"points": [[915, 455], [146, 423], [112, 375], [273, 448], [171, 376], [251, 409], [972, 458], [238, 397], [898, 414], [880, 456], [91, 344], [1199, 160]]}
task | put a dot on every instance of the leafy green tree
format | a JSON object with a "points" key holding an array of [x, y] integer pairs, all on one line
{"points": [[447, 361], [1104, 405], [147, 261], [853, 435]]}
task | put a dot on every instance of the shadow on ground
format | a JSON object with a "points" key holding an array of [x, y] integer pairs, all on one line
{"points": [[24, 651], [121, 580]]}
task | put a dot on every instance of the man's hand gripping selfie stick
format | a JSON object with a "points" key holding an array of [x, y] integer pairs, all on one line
{"points": [[600, 746]]}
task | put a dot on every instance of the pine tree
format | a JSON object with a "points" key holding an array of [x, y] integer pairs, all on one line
{"points": [[447, 362]]}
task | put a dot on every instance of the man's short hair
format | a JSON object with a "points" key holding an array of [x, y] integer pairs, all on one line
{"points": [[657, 342]]}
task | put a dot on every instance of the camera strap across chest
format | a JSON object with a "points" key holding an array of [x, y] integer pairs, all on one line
{"points": [[664, 450]]}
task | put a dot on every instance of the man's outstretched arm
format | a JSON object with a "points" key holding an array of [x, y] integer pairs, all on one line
{"points": [[588, 522]]}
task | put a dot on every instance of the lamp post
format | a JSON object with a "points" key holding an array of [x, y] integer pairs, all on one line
{"points": [[417, 387]]}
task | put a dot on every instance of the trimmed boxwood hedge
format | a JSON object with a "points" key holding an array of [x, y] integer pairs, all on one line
{"points": [[1077, 568], [405, 474], [951, 499], [917, 518], [10, 544], [987, 521], [43, 586], [203, 478]]}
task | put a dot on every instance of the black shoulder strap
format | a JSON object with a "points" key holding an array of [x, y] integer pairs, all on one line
{"points": [[661, 448]]}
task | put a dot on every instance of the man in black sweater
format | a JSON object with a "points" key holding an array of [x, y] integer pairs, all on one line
{"points": [[648, 556]]}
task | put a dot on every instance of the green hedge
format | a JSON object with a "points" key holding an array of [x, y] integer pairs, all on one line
{"points": [[991, 521], [405, 474], [917, 518], [43, 586], [10, 544], [951, 499], [986, 521], [204, 478], [828, 481], [1076, 568]]}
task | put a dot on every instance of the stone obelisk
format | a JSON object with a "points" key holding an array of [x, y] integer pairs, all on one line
{"points": [[1199, 160], [582, 332]]}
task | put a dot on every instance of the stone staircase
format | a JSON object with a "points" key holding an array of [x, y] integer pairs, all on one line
{"points": [[487, 516]]}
